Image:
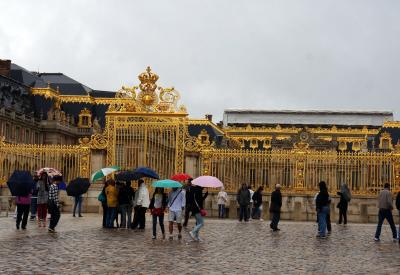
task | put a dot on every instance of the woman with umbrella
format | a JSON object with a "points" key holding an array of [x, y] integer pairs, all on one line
{"points": [[42, 198], [23, 206], [157, 207], [141, 203]]}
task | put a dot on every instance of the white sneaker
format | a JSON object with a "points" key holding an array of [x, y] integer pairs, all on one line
{"points": [[192, 236], [376, 239]]}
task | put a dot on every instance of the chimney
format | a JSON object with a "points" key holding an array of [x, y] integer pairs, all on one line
{"points": [[5, 67], [209, 117]]}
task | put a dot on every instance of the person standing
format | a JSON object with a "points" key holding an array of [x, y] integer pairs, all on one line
{"points": [[250, 208], [103, 199], [112, 203], [275, 207], [42, 199], [176, 204], [54, 203], [257, 204], [322, 205], [189, 201], [345, 197], [243, 199], [158, 203], [125, 203], [78, 204], [23, 205], [34, 198], [197, 211], [222, 199], [385, 205], [141, 203]]}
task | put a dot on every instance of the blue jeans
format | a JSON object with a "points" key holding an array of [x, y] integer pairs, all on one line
{"points": [[221, 211], [111, 213], [199, 224], [322, 223], [382, 215], [78, 203], [33, 208], [126, 215]]}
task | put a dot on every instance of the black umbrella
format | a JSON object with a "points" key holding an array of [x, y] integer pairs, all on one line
{"points": [[77, 187], [20, 183], [126, 176]]}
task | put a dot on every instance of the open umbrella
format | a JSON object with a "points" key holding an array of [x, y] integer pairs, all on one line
{"points": [[126, 176], [166, 184], [62, 186], [181, 177], [145, 172], [49, 171], [20, 183], [78, 186], [207, 181], [103, 172]]}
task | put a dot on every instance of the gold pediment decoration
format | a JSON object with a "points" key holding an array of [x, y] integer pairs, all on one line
{"points": [[391, 124], [147, 97], [385, 141]]}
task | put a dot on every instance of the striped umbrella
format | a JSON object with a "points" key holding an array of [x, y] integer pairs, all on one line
{"points": [[103, 172]]}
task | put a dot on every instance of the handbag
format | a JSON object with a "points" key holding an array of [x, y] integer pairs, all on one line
{"points": [[157, 211], [203, 212], [102, 197]]}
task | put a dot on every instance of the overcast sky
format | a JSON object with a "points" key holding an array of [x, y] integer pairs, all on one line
{"points": [[219, 54]]}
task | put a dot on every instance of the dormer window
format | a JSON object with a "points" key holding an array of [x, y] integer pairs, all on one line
{"points": [[85, 119], [385, 141]]}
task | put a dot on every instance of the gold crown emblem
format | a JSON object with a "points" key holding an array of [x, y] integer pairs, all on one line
{"points": [[148, 76]]}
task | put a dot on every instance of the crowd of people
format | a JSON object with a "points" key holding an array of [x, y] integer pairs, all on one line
{"points": [[43, 199], [120, 200]]}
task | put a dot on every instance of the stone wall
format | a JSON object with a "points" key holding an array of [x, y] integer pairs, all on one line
{"points": [[362, 209]]}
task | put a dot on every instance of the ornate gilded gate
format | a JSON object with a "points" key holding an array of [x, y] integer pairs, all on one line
{"points": [[147, 129]]}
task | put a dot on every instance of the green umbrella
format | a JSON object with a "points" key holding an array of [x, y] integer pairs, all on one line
{"points": [[166, 184], [104, 172]]}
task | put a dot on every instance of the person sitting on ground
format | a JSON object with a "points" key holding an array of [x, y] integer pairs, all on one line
{"points": [[176, 204]]}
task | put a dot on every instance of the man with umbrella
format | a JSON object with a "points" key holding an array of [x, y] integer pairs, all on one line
{"points": [[54, 203]]}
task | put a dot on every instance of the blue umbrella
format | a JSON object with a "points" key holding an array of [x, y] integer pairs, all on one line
{"points": [[20, 183], [62, 186], [145, 172]]}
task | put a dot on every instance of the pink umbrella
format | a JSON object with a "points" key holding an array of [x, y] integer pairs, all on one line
{"points": [[207, 181]]}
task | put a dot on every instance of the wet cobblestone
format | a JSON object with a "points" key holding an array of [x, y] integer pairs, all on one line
{"points": [[229, 247]]}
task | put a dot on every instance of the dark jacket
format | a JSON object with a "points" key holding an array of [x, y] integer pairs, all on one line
{"points": [[164, 201], [322, 199], [198, 199], [125, 195], [343, 203], [189, 195], [257, 199], [276, 201], [398, 201], [243, 197]]}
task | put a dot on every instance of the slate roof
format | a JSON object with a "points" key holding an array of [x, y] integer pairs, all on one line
{"points": [[65, 84]]}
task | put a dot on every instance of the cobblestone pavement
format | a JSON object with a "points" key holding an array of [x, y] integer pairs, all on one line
{"points": [[229, 247]]}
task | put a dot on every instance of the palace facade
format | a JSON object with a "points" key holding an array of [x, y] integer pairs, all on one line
{"points": [[143, 125]]}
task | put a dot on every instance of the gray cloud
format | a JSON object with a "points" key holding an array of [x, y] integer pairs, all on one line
{"points": [[219, 54]]}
